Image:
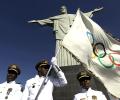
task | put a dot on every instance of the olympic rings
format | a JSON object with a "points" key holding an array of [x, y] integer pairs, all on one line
{"points": [[106, 66], [90, 37], [93, 56], [95, 49], [110, 57], [102, 55]]}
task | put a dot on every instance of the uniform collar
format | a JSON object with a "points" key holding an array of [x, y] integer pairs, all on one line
{"points": [[38, 77], [89, 89], [90, 92], [12, 82], [84, 90]]}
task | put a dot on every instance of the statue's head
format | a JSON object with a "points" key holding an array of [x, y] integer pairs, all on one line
{"points": [[63, 10]]}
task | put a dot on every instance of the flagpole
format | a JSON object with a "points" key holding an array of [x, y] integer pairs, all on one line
{"points": [[46, 77]]}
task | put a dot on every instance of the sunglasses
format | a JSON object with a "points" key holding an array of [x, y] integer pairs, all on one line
{"points": [[85, 78]]}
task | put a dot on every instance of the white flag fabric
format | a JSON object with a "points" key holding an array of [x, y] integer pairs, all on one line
{"points": [[77, 42], [98, 51]]}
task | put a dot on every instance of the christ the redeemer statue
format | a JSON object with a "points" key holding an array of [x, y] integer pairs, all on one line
{"points": [[61, 24]]}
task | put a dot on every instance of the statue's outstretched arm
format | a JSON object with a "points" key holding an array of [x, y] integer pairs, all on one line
{"points": [[42, 22], [90, 13], [97, 9]]}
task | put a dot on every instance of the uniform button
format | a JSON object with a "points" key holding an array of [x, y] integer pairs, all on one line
{"points": [[33, 86], [6, 97]]}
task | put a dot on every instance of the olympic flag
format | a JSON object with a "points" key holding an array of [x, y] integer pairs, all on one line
{"points": [[98, 52]]}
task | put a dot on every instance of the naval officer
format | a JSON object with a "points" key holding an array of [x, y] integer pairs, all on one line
{"points": [[10, 90], [33, 85]]}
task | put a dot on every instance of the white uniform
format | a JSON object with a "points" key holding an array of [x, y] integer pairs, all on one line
{"points": [[10, 91], [90, 95], [33, 85]]}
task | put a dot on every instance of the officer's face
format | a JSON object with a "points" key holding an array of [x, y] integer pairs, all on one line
{"points": [[85, 83], [42, 71], [11, 76]]}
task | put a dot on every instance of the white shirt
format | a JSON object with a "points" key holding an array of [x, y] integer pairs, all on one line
{"points": [[10, 91], [33, 85], [90, 95]]}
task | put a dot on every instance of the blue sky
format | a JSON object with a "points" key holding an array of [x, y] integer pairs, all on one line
{"points": [[25, 44]]}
